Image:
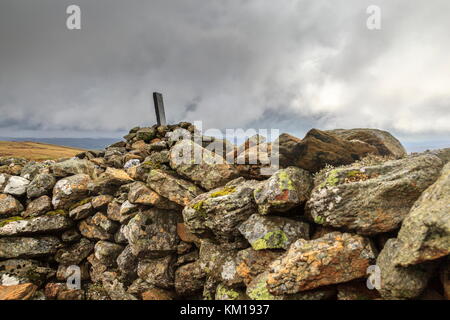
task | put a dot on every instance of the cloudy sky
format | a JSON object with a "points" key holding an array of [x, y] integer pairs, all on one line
{"points": [[287, 64]]}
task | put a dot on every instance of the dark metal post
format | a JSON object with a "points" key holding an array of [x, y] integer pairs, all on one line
{"points": [[159, 108]]}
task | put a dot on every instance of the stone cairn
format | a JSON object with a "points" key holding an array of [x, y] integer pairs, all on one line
{"points": [[348, 215]]}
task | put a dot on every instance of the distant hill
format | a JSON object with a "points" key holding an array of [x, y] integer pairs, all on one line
{"points": [[36, 151], [79, 143]]}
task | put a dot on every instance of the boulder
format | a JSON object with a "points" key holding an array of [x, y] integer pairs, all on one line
{"points": [[38, 207], [42, 184], [284, 190], [16, 186], [9, 206], [320, 148], [425, 232], [127, 263], [42, 224], [371, 198], [335, 258], [152, 233], [171, 187], [109, 181], [272, 232], [200, 165], [23, 247], [115, 288], [72, 167], [3, 181], [401, 282], [18, 292], [222, 210], [107, 252], [189, 279], [386, 144], [158, 272], [70, 190], [18, 271], [98, 227], [74, 254]]}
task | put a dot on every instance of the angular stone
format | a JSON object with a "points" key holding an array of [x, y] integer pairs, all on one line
{"points": [[273, 232], [115, 288], [334, 258], [175, 189], [71, 235], [425, 232], [101, 202], [201, 165], [107, 252], [157, 294], [18, 292], [3, 181], [18, 271], [109, 181], [356, 290], [152, 233], [38, 207], [127, 263], [250, 262], [222, 210], [227, 293], [386, 144], [9, 206], [75, 253], [189, 279], [82, 211], [319, 148], [185, 234], [16, 186], [41, 185], [401, 282], [69, 190], [72, 167], [284, 190], [158, 272], [22, 247], [32, 169], [98, 227], [42, 224], [371, 198]]}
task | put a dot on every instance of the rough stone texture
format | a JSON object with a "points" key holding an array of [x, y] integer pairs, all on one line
{"points": [[185, 235], [9, 206], [158, 272], [425, 232], [22, 247], [82, 211], [250, 262], [284, 190], [98, 227], [107, 252], [169, 186], [334, 258], [18, 292], [41, 185], [69, 190], [200, 165], [72, 167], [227, 293], [3, 181], [319, 148], [38, 207], [264, 232], [153, 233], [76, 253], [115, 288], [16, 186], [127, 263], [371, 199], [189, 279], [386, 144], [109, 181], [18, 271], [157, 294], [42, 224], [401, 282], [356, 290], [222, 210], [101, 202]]}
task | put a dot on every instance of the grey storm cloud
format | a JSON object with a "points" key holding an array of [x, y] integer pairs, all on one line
{"points": [[288, 64]]}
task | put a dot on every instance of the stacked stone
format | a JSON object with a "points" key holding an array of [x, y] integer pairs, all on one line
{"points": [[139, 224]]}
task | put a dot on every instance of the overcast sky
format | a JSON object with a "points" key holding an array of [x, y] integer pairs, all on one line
{"points": [[285, 64]]}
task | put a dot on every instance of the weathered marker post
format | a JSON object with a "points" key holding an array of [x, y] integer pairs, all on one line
{"points": [[159, 109]]}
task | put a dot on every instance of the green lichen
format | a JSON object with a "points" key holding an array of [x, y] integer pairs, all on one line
{"points": [[80, 203], [59, 212], [227, 293], [285, 181], [199, 208], [271, 240], [319, 220], [152, 164], [332, 179], [12, 219], [260, 292], [223, 192]]}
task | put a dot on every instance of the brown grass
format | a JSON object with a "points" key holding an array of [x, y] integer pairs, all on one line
{"points": [[36, 151]]}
